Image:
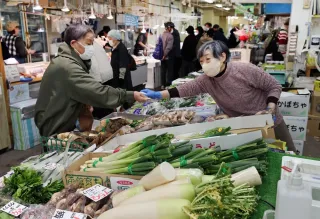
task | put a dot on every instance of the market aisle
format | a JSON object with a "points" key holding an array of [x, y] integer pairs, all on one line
{"points": [[13, 157]]}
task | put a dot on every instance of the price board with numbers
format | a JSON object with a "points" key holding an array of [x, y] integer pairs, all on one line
{"points": [[62, 214], [14, 208], [97, 192]]}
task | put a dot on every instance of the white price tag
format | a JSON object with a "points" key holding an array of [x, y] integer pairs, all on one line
{"points": [[62, 214], [97, 192], [13, 208], [50, 166]]}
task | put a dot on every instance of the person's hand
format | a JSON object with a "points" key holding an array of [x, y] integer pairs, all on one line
{"points": [[31, 52], [140, 97], [152, 94], [163, 58], [269, 110]]}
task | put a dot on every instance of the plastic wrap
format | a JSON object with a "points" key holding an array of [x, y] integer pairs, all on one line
{"points": [[38, 212]]}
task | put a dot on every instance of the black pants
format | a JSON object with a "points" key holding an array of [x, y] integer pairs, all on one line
{"points": [[187, 67], [177, 67], [167, 71]]}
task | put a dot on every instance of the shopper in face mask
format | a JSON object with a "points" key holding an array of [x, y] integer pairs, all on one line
{"points": [[119, 61], [238, 88], [167, 62], [67, 88]]}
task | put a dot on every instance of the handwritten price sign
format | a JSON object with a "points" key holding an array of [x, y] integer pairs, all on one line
{"points": [[50, 166], [62, 214], [13, 208], [97, 192]]}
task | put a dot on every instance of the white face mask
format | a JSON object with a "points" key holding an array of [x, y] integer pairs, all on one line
{"points": [[205, 28], [171, 31], [88, 52], [196, 33], [111, 43], [212, 68]]}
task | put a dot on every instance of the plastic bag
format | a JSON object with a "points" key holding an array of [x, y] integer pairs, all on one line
{"points": [[38, 212]]}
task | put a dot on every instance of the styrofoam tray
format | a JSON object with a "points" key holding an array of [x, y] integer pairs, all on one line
{"points": [[310, 169]]}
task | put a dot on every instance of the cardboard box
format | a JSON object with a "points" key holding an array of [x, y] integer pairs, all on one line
{"points": [[72, 174], [314, 126], [297, 127], [225, 142], [19, 93], [299, 145], [25, 133], [294, 104], [316, 85], [315, 103], [245, 122]]}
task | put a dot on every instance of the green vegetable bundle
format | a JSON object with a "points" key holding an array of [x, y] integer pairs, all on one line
{"points": [[26, 185], [238, 159], [141, 157], [219, 198]]}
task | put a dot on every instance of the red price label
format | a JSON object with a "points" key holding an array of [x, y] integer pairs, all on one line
{"points": [[13, 208]]}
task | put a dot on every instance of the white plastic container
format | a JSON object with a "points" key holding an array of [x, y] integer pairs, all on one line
{"points": [[294, 198]]}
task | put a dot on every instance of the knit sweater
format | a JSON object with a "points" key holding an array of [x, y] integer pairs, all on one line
{"points": [[244, 89]]}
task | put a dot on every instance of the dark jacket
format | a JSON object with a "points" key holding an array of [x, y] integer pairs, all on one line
{"points": [[66, 86], [218, 35], [176, 43], [232, 41], [188, 51], [120, 59], [141, 38]]}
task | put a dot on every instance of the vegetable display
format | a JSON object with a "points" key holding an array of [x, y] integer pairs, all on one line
{"points": [[152, 107], [141, 157], [26, 185], [219, 198], [72, 199]]}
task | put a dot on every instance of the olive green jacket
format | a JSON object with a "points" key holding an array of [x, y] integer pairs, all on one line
{"points": [[65, 87]]}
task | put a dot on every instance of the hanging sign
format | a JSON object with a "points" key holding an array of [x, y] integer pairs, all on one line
{"points": [[131, 20]]}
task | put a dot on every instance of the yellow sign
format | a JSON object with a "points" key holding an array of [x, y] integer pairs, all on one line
{"points": [[84, 181]]}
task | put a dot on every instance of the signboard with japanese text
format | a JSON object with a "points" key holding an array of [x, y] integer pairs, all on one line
{"points": [[84, 181], [121, 183], [224, 142], [97, 192], [297, 127], [295, 105], [63, 214], [13, 208]]}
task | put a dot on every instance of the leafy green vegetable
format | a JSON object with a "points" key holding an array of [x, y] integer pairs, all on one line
{"points": [[4, 215], [219, 198], [26, 185]]}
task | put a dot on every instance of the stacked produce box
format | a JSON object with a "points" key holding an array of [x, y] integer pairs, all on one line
{"points": [[294, 106]]}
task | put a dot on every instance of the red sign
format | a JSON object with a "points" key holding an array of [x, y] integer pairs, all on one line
{"points": [[123, 182]]}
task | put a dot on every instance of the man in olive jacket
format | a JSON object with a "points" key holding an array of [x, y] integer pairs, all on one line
{"points": [[67, 85]]}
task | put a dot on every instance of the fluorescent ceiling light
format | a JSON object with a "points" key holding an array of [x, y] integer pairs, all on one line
{"points": [[219, 5], [227, 9], [209, 1]]}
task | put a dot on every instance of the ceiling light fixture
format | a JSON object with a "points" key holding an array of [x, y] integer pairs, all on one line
{"points": [[219, 5], [143, 29], [37, 7], [65, 7], [227, 9], [92, 16], [209, 1], [110, 17]]}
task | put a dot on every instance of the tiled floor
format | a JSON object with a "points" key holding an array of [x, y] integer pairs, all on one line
{"points": [[13, 158]]}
